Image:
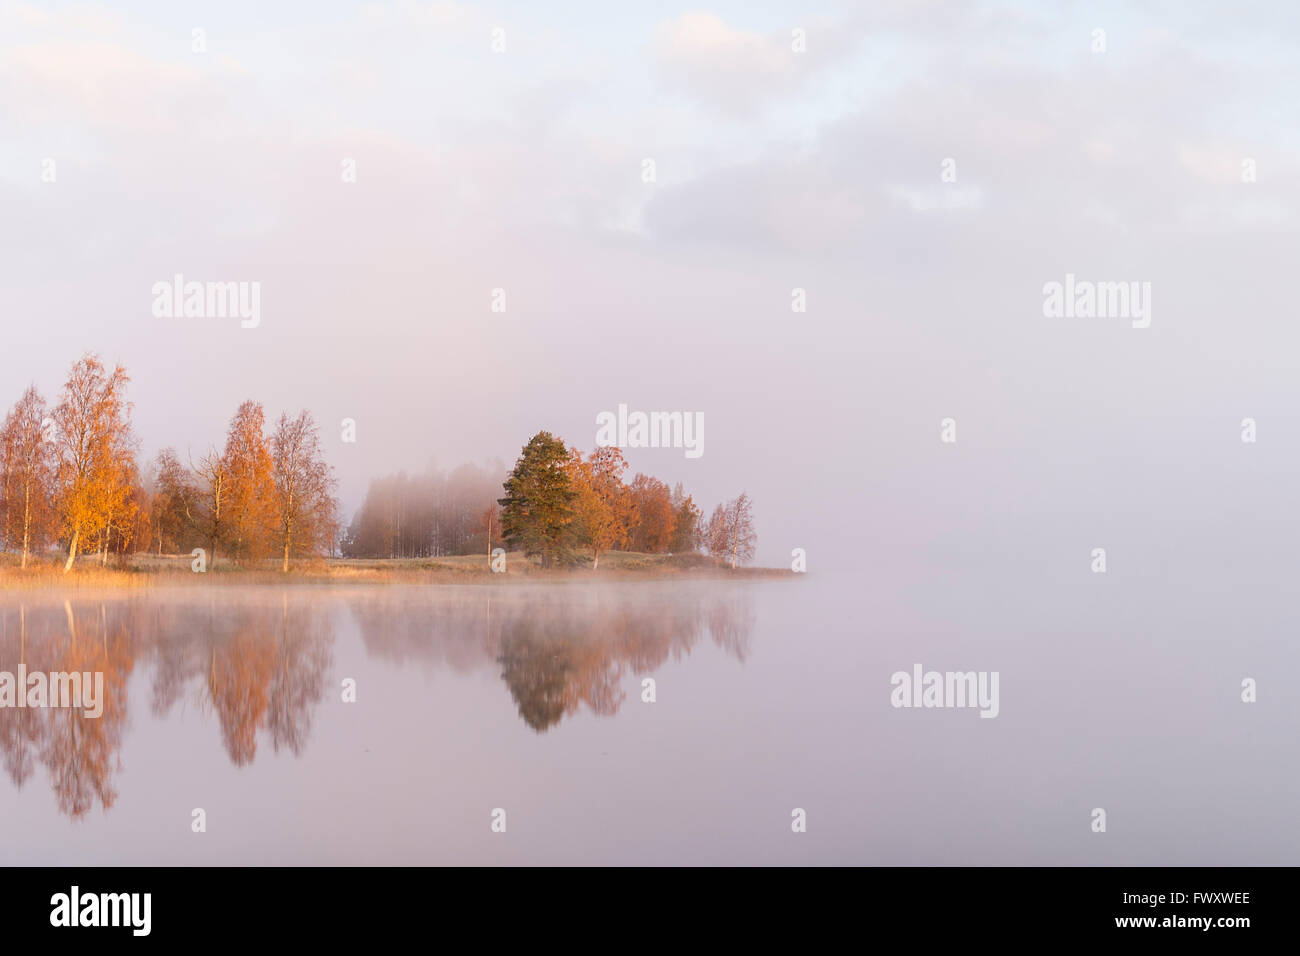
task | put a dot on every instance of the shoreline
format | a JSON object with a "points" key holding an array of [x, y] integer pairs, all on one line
{"points": [[147, 571]]}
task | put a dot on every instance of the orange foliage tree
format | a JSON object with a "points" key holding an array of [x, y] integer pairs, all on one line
{"points": [[94, 443]]}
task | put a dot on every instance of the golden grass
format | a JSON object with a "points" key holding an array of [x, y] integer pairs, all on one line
{"points": [[152, 570]]}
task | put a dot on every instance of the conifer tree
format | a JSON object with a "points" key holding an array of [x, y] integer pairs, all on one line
{"points": [[537, 511]]}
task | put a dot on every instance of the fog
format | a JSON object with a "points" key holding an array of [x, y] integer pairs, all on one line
{"points": [[774, 171], [767, 697], [916, 177]]}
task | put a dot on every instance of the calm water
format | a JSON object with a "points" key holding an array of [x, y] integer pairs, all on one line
{"points": [[769, 696]]}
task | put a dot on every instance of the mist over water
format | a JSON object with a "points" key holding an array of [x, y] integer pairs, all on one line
{"points": [[850, 258], [769, 696]]}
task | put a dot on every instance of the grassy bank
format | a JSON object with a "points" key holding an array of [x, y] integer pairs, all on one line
{"points": [[151, 570]]}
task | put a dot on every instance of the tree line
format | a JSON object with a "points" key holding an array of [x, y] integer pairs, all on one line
{"points": [[560, 506], [70, 477]]}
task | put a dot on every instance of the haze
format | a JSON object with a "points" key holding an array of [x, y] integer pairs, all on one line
{"points": [[775, 170]]}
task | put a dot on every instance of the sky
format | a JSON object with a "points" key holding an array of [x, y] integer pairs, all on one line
{"points": [[920, 170]]}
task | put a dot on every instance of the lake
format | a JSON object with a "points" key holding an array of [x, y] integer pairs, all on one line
{"points": [[769, 696]]}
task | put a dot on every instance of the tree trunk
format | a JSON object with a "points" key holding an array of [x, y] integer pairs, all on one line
{"points": [[27, 521], [72, 550]]}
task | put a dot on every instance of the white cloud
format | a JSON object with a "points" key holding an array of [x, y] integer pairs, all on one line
{"points": [[730, 70]]}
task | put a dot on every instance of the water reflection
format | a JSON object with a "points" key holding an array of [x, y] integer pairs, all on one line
{"points": [[557, 649], [260, 661], [79, 752]]}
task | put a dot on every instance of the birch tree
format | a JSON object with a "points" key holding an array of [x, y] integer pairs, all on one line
{"points": [[730, 533], [94, 435], [214, 486], [250, 491], [740, 534], [304, 485], [29, 473]]}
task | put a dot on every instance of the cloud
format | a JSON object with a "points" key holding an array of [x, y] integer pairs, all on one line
{"points": [[1042, 149], [727, 69], [438, 13], [102, 83]]}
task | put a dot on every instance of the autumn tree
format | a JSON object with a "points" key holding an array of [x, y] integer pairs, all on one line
{"points": [[136, 533], [304, 484], [653, 531], [249, 509], [713, 534], [8, 438], [730, 532], [29, 473], [94, 439], [606, 466], [537, 511], [122, 517], [686, 522], [213, 491], [602, 506], [121, 505], [175, 504]]}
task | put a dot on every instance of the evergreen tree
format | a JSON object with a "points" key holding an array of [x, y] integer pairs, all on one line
{"points": [[537, 511]]}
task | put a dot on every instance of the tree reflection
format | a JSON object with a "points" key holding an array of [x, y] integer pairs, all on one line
{"points": [[237, 688], [259, 668], [79, 752], [266, 671], [259, 664], [558, 650], [301, 661], [21, 730]]}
